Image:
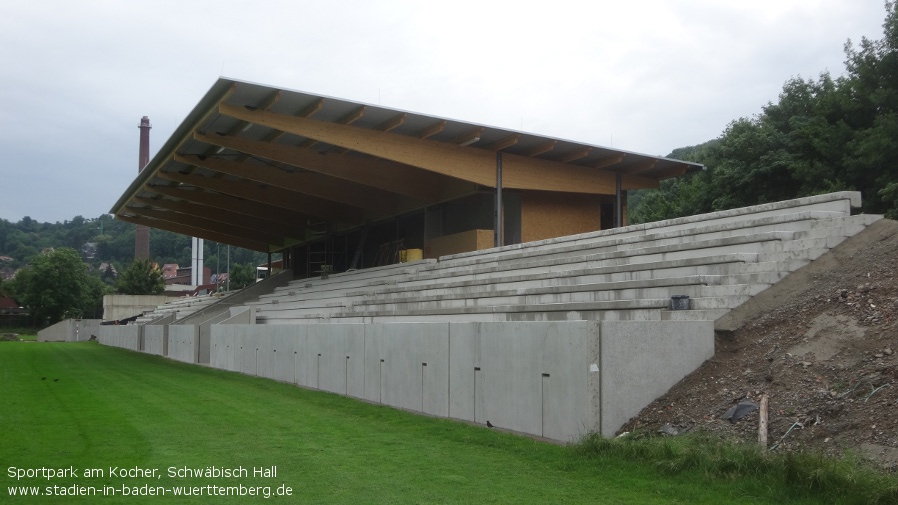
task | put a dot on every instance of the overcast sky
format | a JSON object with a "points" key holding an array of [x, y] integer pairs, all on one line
{"points": [[645, 76]]}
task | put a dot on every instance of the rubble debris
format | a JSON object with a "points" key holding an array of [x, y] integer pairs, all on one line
{"points": [[739, 411], [814, 352]]}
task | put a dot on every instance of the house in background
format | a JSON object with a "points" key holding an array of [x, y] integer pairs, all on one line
{"points": [[12, 314]]}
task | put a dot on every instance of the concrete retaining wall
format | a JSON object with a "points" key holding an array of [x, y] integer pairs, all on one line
{"points": [[527, 377], [232, 315], [552, 338], [641, 361], [70, 330], [184, 342], [551, 379], [117, 307], [407, 366], [59, 332], [125, 336], [155, 339]]}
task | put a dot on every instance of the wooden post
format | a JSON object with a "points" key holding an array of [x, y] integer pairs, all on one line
{"points": [[762, 422]]}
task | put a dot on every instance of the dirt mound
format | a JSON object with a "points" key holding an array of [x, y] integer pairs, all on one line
{"points": [[822, 344]]}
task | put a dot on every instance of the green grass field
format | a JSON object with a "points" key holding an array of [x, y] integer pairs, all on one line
{"points": [[29, 334], [84, 406]]}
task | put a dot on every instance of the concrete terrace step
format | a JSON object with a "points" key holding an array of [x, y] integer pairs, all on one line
{"points": [[644, 303], [549, 286], [719, 260], [358, 276], [824, 239], [339, 283], [297, 298], [424, 275], [585, 275], [693, 315], [731, 245], [791, 222], [831, 205], [655, 304], [542, 299], [310, 290], [534, 302], [573, 281], [498, 293], [185, 304], [708, 284], [568, 307], [713, 269], [590, 274]]}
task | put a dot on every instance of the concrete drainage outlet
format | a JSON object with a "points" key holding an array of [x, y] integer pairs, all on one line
{"points": [[679, 302]]}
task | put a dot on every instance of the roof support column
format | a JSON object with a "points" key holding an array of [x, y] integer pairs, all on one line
{"points": [[196, 264], [618, 203], [498, 238]]}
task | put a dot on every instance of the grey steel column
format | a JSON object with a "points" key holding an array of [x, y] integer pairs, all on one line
{"points": [[498, 238], [618, 204]]}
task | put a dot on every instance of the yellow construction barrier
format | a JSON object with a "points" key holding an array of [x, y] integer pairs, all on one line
{"points": [[408, 255]]}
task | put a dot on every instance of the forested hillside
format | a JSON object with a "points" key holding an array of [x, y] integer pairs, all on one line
{"points": [[822, 135], [105, 240]]}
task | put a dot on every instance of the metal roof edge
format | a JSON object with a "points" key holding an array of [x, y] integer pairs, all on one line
{"points": [[217, 91], [235, 81]]}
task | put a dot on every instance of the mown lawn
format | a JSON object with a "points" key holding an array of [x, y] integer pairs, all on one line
{"points": [[86, 406]]}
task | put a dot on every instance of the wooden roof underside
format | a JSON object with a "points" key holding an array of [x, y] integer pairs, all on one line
{"points": [[263, 168]]}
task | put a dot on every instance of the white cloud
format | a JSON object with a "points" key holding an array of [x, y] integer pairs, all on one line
{"points": [[647, 76]]}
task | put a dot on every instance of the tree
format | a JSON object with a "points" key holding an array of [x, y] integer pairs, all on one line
{"points": [[141, 278], [57, 286], [242, 275], [96, 289], [167, 247], [680, 196], [820, 136], [873, 76]]}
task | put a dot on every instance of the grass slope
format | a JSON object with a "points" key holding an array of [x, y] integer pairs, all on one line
{"points": [[115, 408]]}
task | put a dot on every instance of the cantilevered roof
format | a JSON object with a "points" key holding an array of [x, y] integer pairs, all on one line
{"points": [[263, 168]]}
